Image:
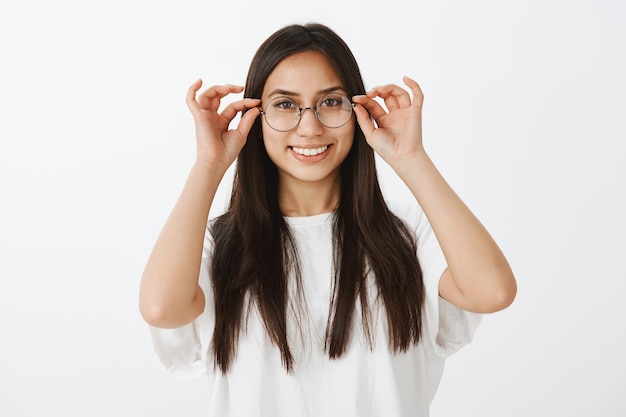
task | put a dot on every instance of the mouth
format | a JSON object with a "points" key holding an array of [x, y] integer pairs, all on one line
{"points": [[310, 151]]}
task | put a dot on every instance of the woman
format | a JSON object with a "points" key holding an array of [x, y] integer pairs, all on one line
{"points": [[315, 296]]}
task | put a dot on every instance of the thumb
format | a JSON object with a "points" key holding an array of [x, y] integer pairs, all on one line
{"points": [[365, 121], [247, 120]]}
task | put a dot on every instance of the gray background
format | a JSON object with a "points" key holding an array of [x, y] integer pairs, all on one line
{"points": [[524, 115]]}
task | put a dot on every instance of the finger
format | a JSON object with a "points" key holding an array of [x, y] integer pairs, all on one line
{"points": [[190, 99], [247, 120], [211, 98], [394, 96], [235, 107], [372, 106], [364, 120], [380, 91], [418, 95]]}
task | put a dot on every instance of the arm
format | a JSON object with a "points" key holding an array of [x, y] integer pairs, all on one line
{"points": [[169, 293], [478, 277]]}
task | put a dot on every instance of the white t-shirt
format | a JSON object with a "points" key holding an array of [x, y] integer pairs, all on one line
{"points": [[362, 382]]}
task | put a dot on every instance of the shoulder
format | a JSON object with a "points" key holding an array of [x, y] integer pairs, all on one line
{"points": [[409, 211]]}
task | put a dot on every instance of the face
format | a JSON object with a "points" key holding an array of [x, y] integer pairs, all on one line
{"points": [[310, 153]]}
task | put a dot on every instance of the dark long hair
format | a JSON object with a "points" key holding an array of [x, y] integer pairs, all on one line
{"points": [[255, 254]]}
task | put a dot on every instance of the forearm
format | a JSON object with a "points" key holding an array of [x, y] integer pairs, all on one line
{"points": [[169, 294], [479, 277]]}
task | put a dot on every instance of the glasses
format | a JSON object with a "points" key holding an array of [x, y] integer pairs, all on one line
{"points": [[332, 110]]}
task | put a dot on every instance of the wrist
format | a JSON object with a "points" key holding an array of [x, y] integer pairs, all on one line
{"points": [[410, 163], [213, 169], [209, 173]]}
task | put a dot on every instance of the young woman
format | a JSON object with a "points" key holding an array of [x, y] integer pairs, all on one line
{"points": [[312, 295]]}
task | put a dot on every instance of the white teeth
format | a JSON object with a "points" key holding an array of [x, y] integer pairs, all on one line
{"points": [[310, 151]]}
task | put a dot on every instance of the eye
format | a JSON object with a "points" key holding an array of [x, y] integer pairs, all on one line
{"points": [[331, 101], [283, 103]]}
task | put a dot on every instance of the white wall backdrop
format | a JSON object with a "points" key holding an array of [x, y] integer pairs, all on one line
{"points": [[524, 115]]}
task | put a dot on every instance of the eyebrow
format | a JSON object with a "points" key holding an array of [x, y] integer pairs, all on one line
{"points": [[280, 91]]}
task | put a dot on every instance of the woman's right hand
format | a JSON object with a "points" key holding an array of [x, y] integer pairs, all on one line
{"points": [[215, 142], [170, 296]]}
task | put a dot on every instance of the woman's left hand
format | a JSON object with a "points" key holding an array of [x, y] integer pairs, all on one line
{"points": [[478, 277], [397, 133]]}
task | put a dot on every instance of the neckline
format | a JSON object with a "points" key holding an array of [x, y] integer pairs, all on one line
{"points": [[309, 220]]}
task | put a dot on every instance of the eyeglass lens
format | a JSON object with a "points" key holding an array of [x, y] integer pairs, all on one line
{"points": [[332, 110]]}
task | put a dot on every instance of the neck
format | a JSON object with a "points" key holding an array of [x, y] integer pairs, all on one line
{"points": [[308, 199]]}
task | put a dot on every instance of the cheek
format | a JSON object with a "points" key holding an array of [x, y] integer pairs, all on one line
{"points": [[271, 143], [267, 135], [348, 135]]}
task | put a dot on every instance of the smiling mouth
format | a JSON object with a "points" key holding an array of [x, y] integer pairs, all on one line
{"points": [[310, 151]]}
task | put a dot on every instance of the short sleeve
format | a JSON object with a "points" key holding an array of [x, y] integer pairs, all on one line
{"points": [[184, 351], [447, 328]]}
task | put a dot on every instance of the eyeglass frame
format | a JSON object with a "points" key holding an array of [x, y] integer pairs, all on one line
{"points": [[315, 112]]}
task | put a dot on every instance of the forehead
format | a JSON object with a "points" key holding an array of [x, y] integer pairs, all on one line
{"points": [[304, 74]]}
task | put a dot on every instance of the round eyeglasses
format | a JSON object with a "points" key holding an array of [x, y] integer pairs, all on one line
{"points": [[332, 110]]}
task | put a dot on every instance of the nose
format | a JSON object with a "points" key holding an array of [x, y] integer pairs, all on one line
{"points": [[309, 125]]}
